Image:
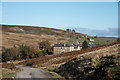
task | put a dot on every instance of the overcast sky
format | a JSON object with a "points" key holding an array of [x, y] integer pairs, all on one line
{"points": [[92, 18]]}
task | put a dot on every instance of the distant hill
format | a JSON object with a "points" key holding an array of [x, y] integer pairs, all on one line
{"points": [[31, 35]]}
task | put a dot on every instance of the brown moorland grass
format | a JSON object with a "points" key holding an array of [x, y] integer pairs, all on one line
{"points": [[8, 65], [72, 55], [32, 35]]}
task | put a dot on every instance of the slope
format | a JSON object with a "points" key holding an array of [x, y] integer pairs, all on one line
{"points": [[101, 64], [31, 35]]}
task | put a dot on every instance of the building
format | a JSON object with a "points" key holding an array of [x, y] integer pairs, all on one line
{"points": [[90, 39], [61, 48], [91, 45]]}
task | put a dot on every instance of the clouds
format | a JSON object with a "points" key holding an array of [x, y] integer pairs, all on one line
{"points": [[110, 32]]}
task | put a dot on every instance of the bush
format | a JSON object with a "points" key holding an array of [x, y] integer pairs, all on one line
{"points": [[35, 53], [8, 66], [45, 47], [84, 45], [9, 54], [108, 69], [25, 51], [21, 52], [118, 39], [68, 30], [73, 30]]}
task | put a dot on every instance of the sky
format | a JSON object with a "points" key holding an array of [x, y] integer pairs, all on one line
{"points": [[92, 18]]}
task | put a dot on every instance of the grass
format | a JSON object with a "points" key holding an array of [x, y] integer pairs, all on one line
{"points": [[53, 73], [0, 73], [102, 41], [99, 40], [51, 64], [19, 62], [31, 36], [74, 40], [8, 73], [54, 61], [56, 75]]}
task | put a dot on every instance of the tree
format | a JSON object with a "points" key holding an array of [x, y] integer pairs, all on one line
{"points": [[118, 39], [20, 53], [68, 30], [35, 53], [84, 45], [8, 55], [96, 36], [45, 46], [25, 51], [73, 30]]}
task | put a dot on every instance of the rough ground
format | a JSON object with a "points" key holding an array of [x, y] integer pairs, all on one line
{"points": [[29, 72], [31, 35], [54, 61], [84, 64]]}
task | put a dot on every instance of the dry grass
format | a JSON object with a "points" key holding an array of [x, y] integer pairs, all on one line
{"points": [[31, 35], [21, 38], [9, 70], [8, 66], [18, 62], [8, 73], [54, 61]]}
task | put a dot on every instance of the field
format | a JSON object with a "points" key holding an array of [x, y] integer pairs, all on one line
{"points": [[99, 40], [32, 35]]}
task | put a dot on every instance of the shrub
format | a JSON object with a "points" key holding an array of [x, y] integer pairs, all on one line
{"points": [[73, 30], [25, 51], [68, 30], [8, 66], [96, 36], [35, 53], [84, 45], [8, 55], [118, 39], [108, 68], [21, 52], [45, 47]]}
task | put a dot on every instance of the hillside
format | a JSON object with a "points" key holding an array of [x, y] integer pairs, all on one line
{"points": [[31, 35], [52, 62], [79, 64], [102, 64], [82, 64]]}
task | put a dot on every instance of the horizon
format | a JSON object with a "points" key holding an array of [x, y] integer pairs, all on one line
{"points": [[58, 29], [91, 18]]}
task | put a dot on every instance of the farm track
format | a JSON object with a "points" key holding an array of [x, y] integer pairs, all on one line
{"points": [[29, 72]]}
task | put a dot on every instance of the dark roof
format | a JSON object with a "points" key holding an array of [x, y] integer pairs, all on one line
{"points": [[62, 45], [58, 45], [68, 45], [92, 45]]}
